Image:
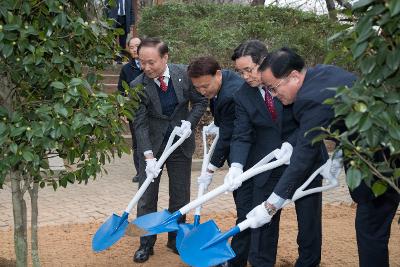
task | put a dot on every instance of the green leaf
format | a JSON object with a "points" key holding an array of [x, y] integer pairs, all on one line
{"points": [[27, 155], [7, 50], [16, 131], [14, 148], [394, 132], [365, 123], [361, 3], [60, 109], [352, 119], [353, 177], [1, 36], [75, 82], [3, 128], [393, 58], [58, 85], [394, 7], [11, 27], [379, 188], [358, 49]]}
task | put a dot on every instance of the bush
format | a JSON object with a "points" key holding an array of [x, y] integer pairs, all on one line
{"points": [[210, 29]]}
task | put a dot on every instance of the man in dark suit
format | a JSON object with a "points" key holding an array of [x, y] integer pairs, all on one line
{"points": [[307, 89], [167, 93], [129, 72], [285, 76], [219, 86], [261, 125], [122, 13]]}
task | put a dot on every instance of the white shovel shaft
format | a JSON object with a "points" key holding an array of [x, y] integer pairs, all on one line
{"points": [[206, 159], [257, 169], [169, 148]]}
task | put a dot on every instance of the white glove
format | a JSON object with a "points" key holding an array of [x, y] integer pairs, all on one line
{"points": [[151, 169], [185, 128], [230, 178], [333, 167], [211, 129], [285, 149], [205, 178], [258, 216]]}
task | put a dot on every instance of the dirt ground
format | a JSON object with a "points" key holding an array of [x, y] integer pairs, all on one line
{"points": [[70, 245]]}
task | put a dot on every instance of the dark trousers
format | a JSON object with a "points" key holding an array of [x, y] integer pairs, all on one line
{"points": [[373, 222], [121, 23], [264, 240], [134, 148], [179, 169]]}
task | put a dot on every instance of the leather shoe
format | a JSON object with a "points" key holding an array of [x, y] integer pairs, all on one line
{"points": [[172, 246], [143, 254], [135, 179]]}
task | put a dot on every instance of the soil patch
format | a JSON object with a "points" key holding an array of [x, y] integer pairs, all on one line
{"points": [[70, 245]]}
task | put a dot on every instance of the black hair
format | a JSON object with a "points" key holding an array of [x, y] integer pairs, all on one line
{"points": [[253, 48], [282, 62], [154, 42], [203, 66]]}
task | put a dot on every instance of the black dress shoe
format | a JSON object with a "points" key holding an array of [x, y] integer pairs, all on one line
{"points": [[135, 179], [172, 246], [143, 254]]}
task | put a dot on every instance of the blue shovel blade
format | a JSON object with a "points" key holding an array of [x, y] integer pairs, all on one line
{"points": [[192, 253], [110, 232], [158, 222], [184, 229]]}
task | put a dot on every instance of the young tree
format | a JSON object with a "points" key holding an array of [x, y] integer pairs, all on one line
{"points": [[51, 103], [372, 107]]}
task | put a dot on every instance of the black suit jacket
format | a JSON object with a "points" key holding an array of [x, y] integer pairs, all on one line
{"points": [[112, 12], [255, 133], [310, 112], [224, 115]]}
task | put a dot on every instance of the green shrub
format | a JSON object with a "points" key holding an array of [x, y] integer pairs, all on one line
{"points": [[211, 29]]}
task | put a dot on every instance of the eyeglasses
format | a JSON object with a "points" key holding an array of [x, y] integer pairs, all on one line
{"points": [[247, 70], [273, 88]]}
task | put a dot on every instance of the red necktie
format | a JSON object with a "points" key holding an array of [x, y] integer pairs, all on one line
{"points": [[163, 85], [270, 104]]}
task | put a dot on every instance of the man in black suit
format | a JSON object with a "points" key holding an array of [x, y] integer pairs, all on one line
{"points": [[219, 86], [307, 89], [261, 126], [285, 76], [129, 72], [122, 13], [168, 100]]}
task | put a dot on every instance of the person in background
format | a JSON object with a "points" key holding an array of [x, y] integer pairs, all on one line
{"points": [[122, 13], [129, 72], [218, 86], [168, 99]]}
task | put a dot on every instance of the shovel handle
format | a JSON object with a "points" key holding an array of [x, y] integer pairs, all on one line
{"points": [[206, 159], [255, 170], [300, 192], [169, 148]]}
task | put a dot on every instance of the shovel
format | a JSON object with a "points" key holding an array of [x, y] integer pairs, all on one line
{"points": [[207, 246], [115, 226], [207, 153], [164, 221]]}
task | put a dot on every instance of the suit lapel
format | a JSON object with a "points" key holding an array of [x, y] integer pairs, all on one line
{"points": [[279, 111], [177, 82], [151, 88], [260, 105]]}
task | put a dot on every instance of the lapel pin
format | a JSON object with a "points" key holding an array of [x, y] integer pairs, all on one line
{"points": [[180, 79]]}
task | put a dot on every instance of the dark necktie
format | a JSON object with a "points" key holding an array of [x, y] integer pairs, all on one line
{"points": [[269, 102], [163, 85]]}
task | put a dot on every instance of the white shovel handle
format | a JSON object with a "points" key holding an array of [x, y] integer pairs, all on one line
{"points": [[300, 192], [169, 148], [206, 159], [255, 170]]}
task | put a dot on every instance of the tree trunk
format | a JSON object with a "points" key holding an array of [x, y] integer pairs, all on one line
{"points": [[33, 192], [19, 212], [330, 5], [257, 2]]}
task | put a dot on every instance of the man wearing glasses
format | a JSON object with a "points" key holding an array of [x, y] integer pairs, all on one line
{"points": [[306, 90], [261, 125]]}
